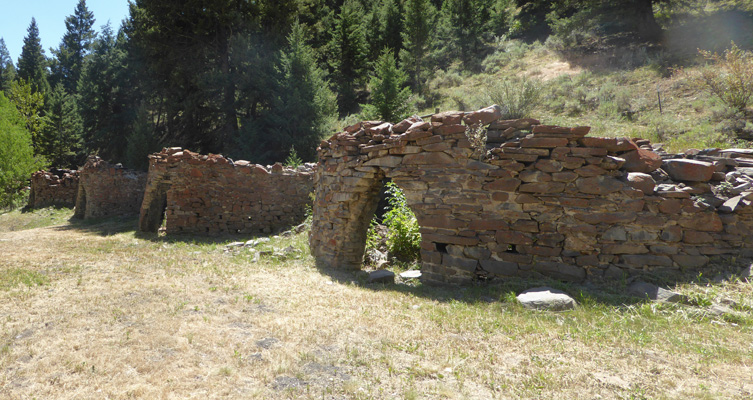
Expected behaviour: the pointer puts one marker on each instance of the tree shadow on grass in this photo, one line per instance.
(109, 226)
(106, 226)
(606, 293)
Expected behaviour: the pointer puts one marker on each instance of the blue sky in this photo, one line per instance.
(50, 15)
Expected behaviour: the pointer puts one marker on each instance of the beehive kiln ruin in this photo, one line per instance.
(106, 190)
(56, 187)
(532, 200)
(212, 195)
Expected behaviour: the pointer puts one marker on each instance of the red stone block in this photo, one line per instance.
(689, 170)
(489, 225)
(505, 185)
(512, 237)
(641, 161)
(545, 142)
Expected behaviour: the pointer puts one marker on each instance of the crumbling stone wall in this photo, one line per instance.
(56, 187)
(107, 190)
(211, 195)
(536, 200)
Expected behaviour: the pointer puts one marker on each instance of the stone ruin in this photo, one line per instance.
(56, 187)
(212, 195)
(532, 200)
(106, 190)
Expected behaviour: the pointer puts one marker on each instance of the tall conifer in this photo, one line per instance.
(76, 44)
(7, 69)
(418, 21)
(348, 54)
(32, 64)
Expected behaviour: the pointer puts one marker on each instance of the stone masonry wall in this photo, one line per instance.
(211, 195)
(107, 190)
(56, 187)
(536, 200)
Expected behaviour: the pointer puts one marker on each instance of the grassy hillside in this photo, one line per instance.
(616, 84)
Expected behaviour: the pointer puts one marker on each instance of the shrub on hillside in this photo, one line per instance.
(519, 96)
(729, 77)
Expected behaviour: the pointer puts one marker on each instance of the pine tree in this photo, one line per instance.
(464, 21)
(61, 142)
(348, 54)
(17, 159)
(389, 96)
(108, 96)
(392, 25)
(141, 141)
(30, 105)
(418, 21)
(76, 44)
(7, 70)
(32, 64)
(303, 109)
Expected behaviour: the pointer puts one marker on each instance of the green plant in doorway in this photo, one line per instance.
(404, 239)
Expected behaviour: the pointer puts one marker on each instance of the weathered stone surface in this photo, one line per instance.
(544, 187)
(501, 268)
(411, 274)
(643, 182)
(647, 260)
(687, 261)
(381, 276)
(208, 195)
(483, 116)
(650, 291)
(546, 298)
(600, 185)
(561, 270)
(641, 161)
(56, 187)
(429, 158)
(543, 142)
(611, 144)
(549, 166)
(106, 190)
(616, 233)
(705, 221)
(391, 161)
(689, 170)
(543, 201)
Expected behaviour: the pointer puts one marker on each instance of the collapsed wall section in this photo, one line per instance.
(212, 195)
(56, 187)
(106, 190)
(525, 199)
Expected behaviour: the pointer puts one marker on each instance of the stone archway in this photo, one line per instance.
(540, 200)
(80, 209)
(347, 194)
(342, 217)
(153, 207)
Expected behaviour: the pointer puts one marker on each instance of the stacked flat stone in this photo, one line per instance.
(547, 200)
(106, 190)
(57, 187)
(212, 195)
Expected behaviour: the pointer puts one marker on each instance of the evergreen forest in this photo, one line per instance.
(257, 80)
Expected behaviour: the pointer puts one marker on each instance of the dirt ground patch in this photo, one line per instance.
(99, 312)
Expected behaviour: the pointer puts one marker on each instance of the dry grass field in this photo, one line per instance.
(96, 311)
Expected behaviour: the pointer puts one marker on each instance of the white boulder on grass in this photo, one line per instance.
(546, 298)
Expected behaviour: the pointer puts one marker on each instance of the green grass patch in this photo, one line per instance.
(18, 220)
(14, 277)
